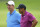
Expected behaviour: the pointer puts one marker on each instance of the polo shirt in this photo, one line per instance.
(26, 19)
(13, 20)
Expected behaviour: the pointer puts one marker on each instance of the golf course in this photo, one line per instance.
(32, 6)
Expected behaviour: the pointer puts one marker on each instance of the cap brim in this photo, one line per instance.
(17, 8)
(6, 3)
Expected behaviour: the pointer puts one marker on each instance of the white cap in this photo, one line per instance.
(11, 3)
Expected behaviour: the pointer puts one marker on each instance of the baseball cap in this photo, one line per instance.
(21, 6)
(10, 3)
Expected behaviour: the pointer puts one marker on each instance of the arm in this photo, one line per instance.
(34, 23)
(33, 20)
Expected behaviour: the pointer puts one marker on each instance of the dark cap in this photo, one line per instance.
(21, 6)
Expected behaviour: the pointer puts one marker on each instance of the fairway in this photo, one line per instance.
(33, 6)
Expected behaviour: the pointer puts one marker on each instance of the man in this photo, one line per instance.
(13, 17)
(27, 20)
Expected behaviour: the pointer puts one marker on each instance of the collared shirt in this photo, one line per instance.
(26, 19)
(13, 20)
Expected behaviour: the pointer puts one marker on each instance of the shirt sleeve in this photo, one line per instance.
(19, 17)
(31, 17)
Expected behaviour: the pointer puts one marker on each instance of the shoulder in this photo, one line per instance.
(29, 14)
(18, 14)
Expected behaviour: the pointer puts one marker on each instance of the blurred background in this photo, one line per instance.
(33, 6)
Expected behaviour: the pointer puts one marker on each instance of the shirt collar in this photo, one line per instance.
(13, 12)
(25, 13)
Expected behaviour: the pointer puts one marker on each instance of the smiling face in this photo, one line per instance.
(10, 7)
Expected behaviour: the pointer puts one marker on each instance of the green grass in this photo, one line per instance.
(33, 6)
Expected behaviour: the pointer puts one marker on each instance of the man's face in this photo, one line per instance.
(21, 10)
(10, 7)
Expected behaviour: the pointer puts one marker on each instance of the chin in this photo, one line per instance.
(8, 10)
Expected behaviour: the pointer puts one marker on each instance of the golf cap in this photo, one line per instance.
(10, 3)
(21, 6)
